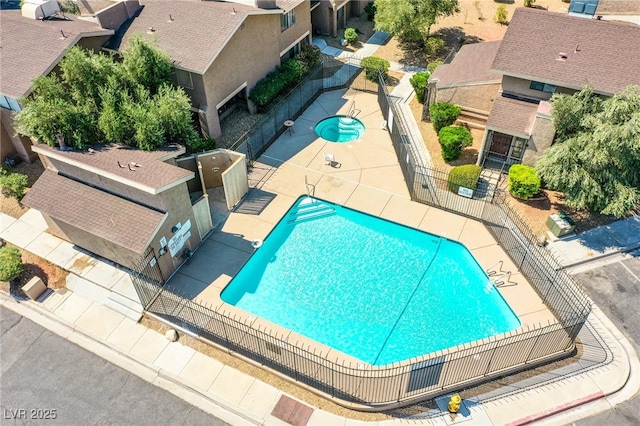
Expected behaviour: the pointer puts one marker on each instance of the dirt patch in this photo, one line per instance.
(363, 27)
(11, 206)
(34, 266)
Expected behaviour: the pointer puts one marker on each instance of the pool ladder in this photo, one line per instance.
(310, 211)
(497, 276)
(352, 110)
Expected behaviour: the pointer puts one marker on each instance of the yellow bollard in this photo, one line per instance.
(454, 403)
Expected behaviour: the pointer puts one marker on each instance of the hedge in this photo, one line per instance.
(452, 139)
(373, 65)
(10, 263)
(443, 114)
(284, 77)
(433, 46)
(524, 181)
(419, 82)
(467, 176)
(433, 65)
(13, 184)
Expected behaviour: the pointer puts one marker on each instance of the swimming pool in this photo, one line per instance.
(340, 128)
(373, 289)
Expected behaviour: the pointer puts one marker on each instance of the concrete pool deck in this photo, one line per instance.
(367, 178)
(239, 398)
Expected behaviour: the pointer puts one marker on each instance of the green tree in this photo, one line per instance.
(597, 165)
(96, 99)
(146, 65)
(569, 112)
(411, 19)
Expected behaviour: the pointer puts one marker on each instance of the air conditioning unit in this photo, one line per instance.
(40, 9)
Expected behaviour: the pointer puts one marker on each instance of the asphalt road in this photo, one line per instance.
(48, 380)
(615, 288)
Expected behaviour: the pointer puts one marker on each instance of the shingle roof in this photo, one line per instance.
(472, 64)
(196, 33)
(115, 162)
(31, 48)
(287, 5)
(512, 116)
(603, 53)
(109, 217)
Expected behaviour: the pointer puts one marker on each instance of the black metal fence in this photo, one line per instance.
(329, 75)
(488, 204)
(370, 387)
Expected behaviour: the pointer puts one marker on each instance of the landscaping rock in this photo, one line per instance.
(171, 335)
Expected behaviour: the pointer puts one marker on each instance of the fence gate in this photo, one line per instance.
(147, 278)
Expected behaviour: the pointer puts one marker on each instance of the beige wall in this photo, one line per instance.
(92, 243)
(302, 25)
(321, 19)
(243, 59)
(213, 165)
(521, 87)
(541, 139)
(10, 142)
(115, 15)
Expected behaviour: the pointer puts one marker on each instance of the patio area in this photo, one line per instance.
(365, 176)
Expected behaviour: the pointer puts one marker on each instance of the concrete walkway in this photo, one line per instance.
(91, 314)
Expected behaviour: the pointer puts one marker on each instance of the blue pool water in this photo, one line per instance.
(373, 289)
(340, 128)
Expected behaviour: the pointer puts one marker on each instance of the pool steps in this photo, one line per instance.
(310, 211)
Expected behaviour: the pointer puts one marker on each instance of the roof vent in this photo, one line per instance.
(40, 9)
(561, 56)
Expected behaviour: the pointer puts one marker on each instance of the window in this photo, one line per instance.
(543, 87)
(287, 19)
(183, 78)
(9, 103)
(518, 148)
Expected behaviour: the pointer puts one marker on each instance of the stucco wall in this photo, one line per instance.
(10, 142)
(302, 25)
(92, 243)
(213, 165)
(251, 53)
(321, 19)
(178, 205)
(521, 87)
(541, 139)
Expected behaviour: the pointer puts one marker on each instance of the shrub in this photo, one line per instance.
(276, 82)
(501, 15)
(10, 263)
(466, 176)
(13, 185)
(433, 46)
(529, 3)
(419, 82)
(309, 56)
(433, 65)
(351, 35)
(373, 65)
(524, 181)
(370, 10)
(201, 145)
(443, 114)
(452, 140)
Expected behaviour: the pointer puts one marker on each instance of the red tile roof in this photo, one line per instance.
(603, 53)
(31, 48)
(472, 64)
(152, 174)
(512, 116)
(107, 216)
(196, 33)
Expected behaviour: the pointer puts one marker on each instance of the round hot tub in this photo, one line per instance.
(340, 128)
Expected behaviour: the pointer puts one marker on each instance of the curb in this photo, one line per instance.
(141, 369)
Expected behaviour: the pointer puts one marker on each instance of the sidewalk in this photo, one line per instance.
(596, 244)
(100, 313)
